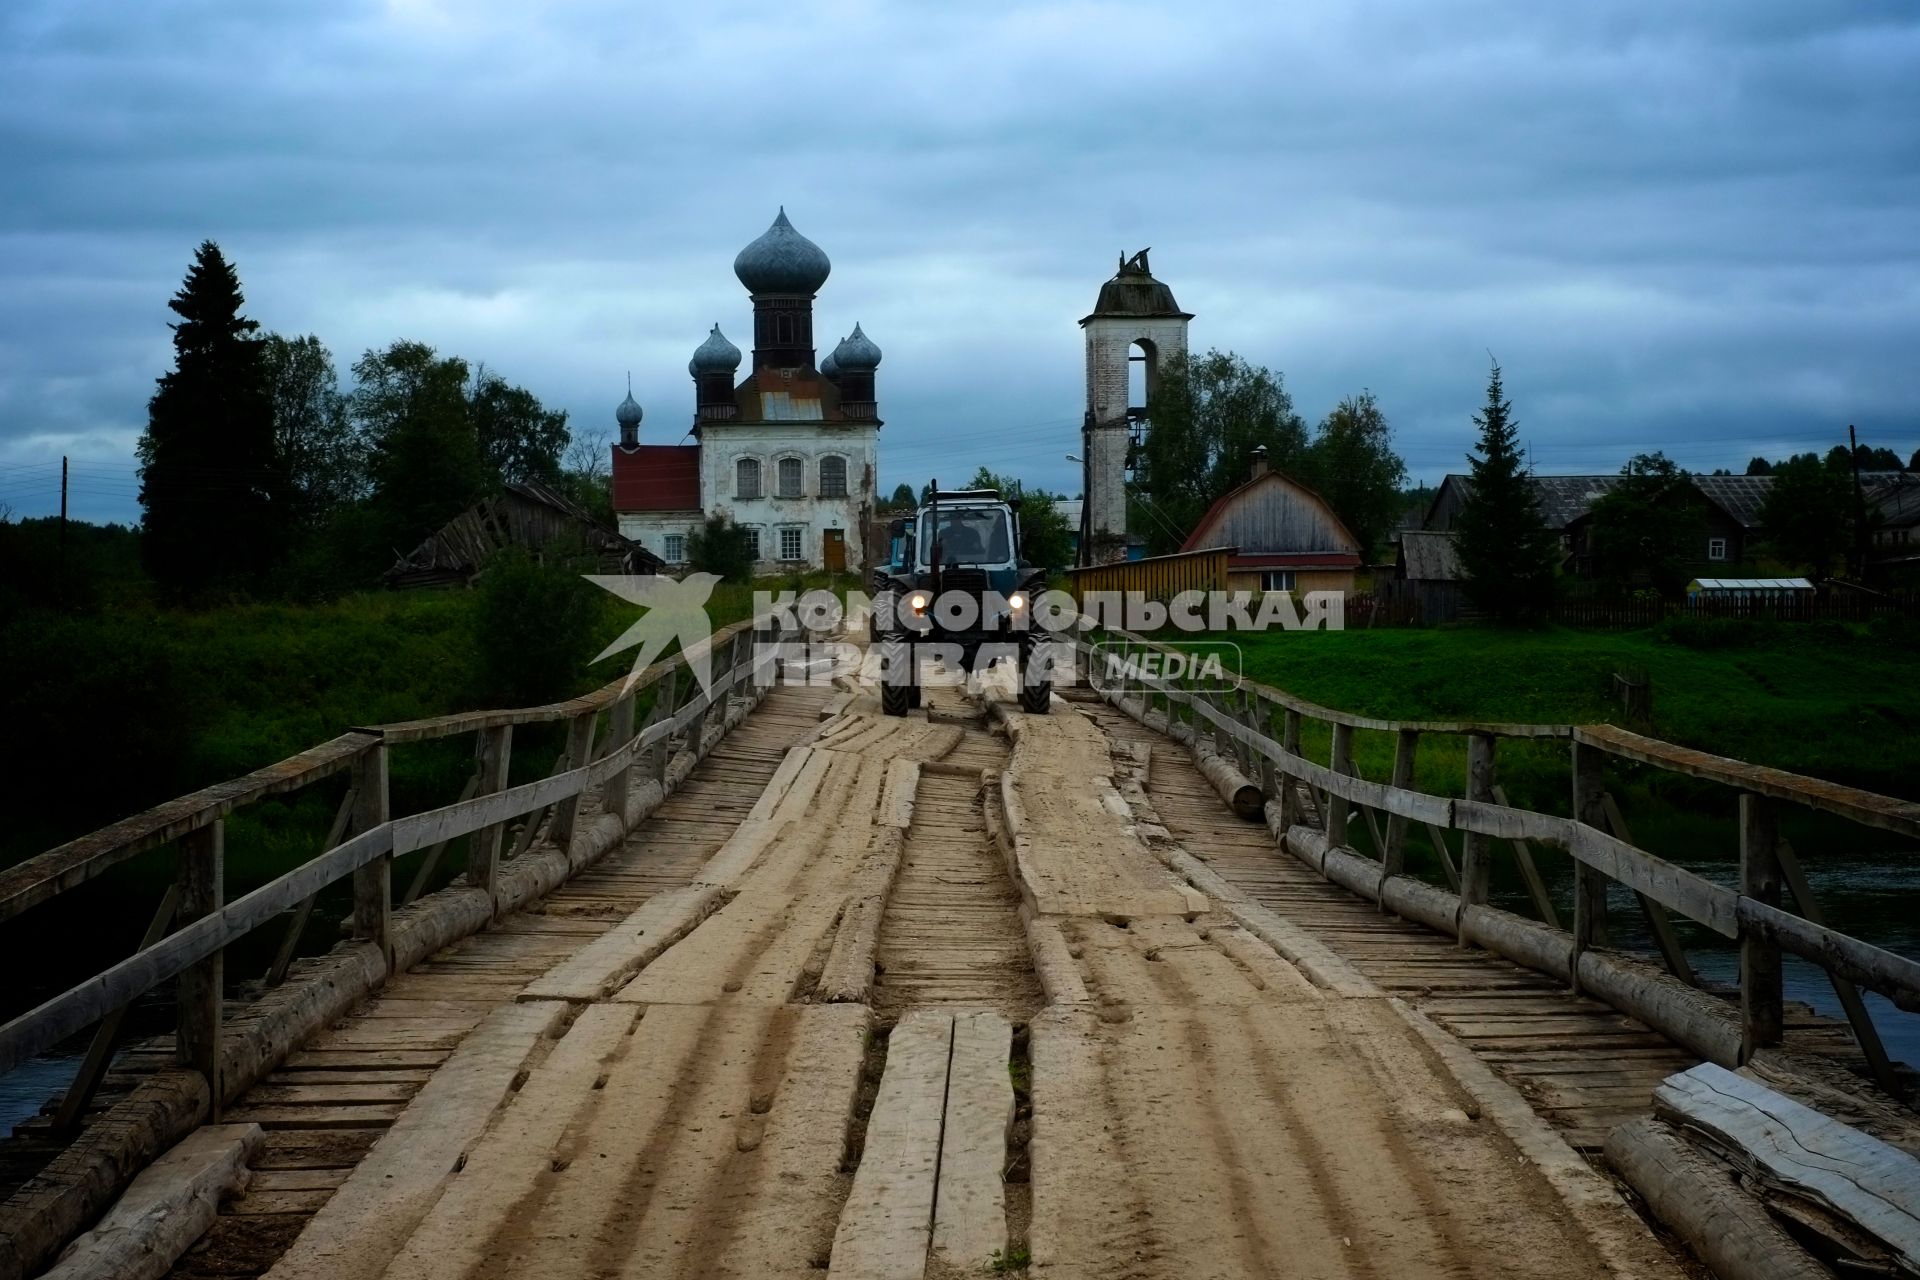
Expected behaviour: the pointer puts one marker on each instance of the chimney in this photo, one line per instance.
(1259, 463)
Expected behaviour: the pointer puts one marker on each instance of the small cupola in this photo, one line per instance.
(854, 361)
(628, 415)
(713, 366)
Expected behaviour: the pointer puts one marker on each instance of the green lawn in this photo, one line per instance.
(1835, 701)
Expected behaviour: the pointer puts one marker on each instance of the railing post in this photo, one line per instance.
(579, 754)
(1760, 991)
(1589, 883)
(660, 754)
(1475, 865)
(1393, 858)
(373, 883)
(201, 876)
(1259, 718)
(483, 858)
(619, 734)
(1289, 785)
(1337, 806)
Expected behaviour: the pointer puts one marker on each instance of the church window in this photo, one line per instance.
(676, 548)
(792, 473)
(753, 541)
(746, 478)
(833, 477)
(789, 544)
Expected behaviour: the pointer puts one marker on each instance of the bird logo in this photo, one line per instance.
(676, 610)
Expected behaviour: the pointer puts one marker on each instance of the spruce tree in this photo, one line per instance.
(211, 485)
(1505, 548)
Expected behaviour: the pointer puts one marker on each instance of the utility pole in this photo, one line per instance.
(1859, 510)
(62, 575)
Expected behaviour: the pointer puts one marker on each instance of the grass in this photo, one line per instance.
(1835, 701)
(1017, 1258)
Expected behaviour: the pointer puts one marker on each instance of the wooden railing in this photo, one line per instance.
(1259, 730)
(605, 747)
(1156, 577)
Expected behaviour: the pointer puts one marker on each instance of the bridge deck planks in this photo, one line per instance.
(1584, 1066)
(334, 1097)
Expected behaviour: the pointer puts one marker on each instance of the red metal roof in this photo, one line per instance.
(656, 477)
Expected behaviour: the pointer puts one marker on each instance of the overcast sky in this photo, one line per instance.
(1688, 226)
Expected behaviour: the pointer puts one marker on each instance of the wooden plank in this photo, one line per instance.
(1536, 887)
(363, 1226)
(1793, 1148)
(1884, 812)
(970, 1217)
(373, 881)
(77, 861)
(886, 1226)
(1475, 866)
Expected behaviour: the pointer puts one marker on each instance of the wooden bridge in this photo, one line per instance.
(754, 981)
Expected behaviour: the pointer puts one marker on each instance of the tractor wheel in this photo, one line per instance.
(897, 687)
(1036, 694)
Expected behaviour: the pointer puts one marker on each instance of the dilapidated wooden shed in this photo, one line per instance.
(527, 514)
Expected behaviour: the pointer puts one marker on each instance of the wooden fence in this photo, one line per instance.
(1619, 614)
(1257, 730)
(634, 759)
(1156, 577)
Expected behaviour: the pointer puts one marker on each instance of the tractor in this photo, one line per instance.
(955, 577)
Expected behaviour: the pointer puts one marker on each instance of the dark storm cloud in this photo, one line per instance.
(1679, 226)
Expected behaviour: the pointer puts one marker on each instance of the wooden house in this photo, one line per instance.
(1285, 536)
(526, 514)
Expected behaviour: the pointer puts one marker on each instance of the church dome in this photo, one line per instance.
(782, 261)
(830, 367)
(715, 355)
(856, 353)
(628, 414)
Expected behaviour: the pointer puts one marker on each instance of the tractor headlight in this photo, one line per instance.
(1017, 601)
(917, 602)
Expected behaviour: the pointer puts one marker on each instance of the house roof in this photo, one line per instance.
(1204, 527)
(656, 477)
(1565, 499)
(1739, 496)
(528, 514)
(1896, 497)
(1751, 584)
(1429, 557)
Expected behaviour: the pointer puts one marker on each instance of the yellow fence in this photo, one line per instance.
(1156, 577)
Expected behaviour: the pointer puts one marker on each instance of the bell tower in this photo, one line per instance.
(1135, 322)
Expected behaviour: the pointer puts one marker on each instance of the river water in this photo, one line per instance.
(1874, 897)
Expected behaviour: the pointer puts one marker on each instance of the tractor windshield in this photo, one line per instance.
(967, 535)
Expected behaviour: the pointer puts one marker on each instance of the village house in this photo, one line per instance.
(1729, 511)
(787, 453)
(1285, 536)
(530, 515)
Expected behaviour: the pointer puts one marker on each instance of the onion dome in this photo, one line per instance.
(830, 367)
(855, 354)
(715, 355)
(628, 414)
(782, 261)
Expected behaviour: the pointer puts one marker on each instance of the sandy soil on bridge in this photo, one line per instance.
(1198, 1107)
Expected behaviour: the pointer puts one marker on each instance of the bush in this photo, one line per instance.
(1715, 633)
(537, 629)
(722, 549)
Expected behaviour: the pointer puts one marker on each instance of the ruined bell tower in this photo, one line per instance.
(1134, 322)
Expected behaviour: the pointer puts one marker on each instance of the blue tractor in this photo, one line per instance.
(955, 577)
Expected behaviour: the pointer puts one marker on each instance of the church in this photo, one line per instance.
(787, 452)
